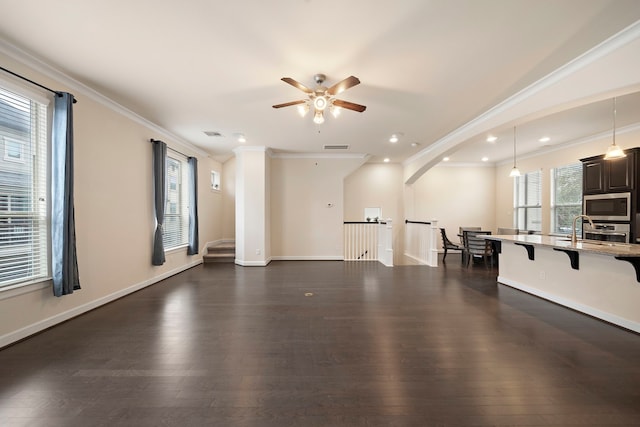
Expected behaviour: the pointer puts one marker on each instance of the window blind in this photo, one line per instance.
(176, 217)
(23, 189)
(527, 201)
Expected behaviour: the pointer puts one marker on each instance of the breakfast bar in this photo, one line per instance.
(601, 279)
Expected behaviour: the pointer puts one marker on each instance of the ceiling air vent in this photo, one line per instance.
(212, 133)
(336, 147)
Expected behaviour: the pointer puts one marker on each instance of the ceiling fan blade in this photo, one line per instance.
(343, 85)
(349, 105)
(296, 84)
(289, 104)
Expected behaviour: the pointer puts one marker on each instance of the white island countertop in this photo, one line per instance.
(564, 243)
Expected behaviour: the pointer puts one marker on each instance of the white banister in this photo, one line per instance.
(421, 242)
(385, 243)
(369, 241)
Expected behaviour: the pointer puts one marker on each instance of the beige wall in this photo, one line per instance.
(303, 225)
(455, 196)
(545, 162)
(377, 185)
(113, 211)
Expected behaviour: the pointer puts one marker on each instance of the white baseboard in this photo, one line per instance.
(34, 328)
(252, 263)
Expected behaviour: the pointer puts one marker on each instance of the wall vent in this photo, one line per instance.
(212, 133)
(336, 147)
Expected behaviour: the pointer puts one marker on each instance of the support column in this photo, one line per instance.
(253, 236)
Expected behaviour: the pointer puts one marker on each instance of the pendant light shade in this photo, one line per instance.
(514, 172)
(614, 151)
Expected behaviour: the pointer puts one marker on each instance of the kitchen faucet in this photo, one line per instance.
(574, 238)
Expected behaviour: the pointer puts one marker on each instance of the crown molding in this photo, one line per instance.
(627, 35)
(42, 67)
(320, 156)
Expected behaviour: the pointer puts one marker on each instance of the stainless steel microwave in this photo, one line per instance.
(608, 207)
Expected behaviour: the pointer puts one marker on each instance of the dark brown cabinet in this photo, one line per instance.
(609, 176)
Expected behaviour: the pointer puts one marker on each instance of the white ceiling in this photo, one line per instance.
(426, 67)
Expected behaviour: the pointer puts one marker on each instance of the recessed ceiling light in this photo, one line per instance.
(414, 144)
(545, 139)
(445, 159)
(395, 137)
(484, 159)
(387, 160)
(492, 138)
(238, 136)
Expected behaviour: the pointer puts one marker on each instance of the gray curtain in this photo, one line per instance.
(160, 196)
(64, 261)
(193, 206)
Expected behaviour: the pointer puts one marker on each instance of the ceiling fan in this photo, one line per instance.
(322, 98)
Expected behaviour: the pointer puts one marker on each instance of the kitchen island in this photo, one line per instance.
(601, 279)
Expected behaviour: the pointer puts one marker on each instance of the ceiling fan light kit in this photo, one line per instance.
(322, 98)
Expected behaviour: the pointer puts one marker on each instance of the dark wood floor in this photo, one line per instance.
(223, 345)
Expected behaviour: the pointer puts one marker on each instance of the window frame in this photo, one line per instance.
(526, 207)
(34, 154)
(553, 202)
(176, 203)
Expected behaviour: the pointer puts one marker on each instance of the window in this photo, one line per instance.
(215, 180)
(176, 218)
(13, 150)
(526, 201)
(566, 197)
(23, 189)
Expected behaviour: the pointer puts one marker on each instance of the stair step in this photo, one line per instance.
(218, 258)
(222, 248)
(222, 252)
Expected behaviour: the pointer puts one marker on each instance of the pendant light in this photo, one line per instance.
(514, 172)
(614, 151)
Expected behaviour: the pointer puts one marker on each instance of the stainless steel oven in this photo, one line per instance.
(608, 232)
(608, 207)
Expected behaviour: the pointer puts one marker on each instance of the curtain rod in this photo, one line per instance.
(169, 148)
(34, 83)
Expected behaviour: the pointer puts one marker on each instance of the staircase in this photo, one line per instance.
(221, 252)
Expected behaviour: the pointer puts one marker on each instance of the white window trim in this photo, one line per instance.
(44, 98)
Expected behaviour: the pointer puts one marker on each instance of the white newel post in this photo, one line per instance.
(385, 243)
(433, 244)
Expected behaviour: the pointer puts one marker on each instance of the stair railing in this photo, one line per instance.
(368, 241)
(420, 241)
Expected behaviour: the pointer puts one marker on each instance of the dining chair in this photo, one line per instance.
(477, 246)
(461, 231)
(448, 244)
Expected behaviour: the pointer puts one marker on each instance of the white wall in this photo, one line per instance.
(253, 244)
(303, 226)
(113, 211)
(229, 199)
